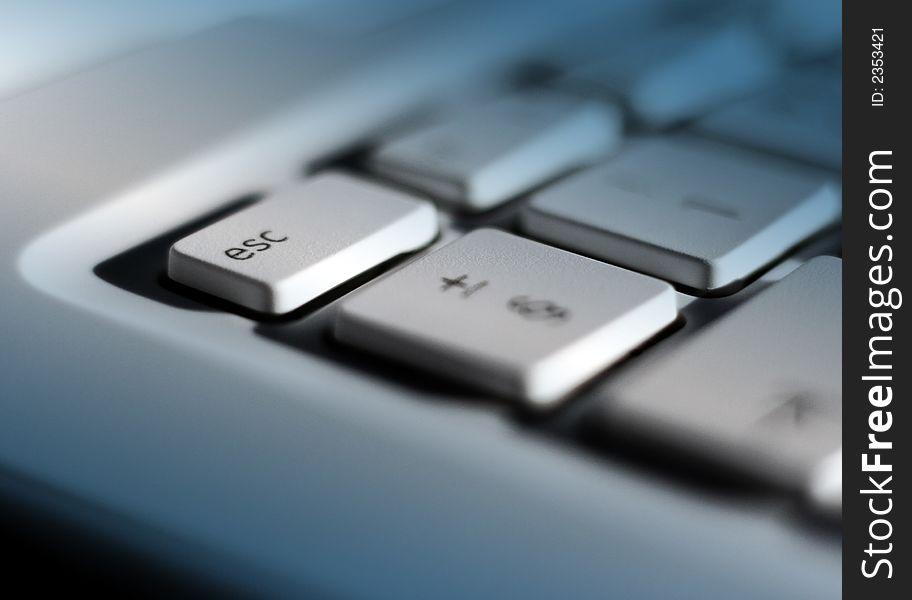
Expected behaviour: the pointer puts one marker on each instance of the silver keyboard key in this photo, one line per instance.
(508, 314)
(498, 151)
(288, 249)
(760, 389)
(700, 214)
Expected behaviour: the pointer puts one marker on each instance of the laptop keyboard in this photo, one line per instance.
(542, 247)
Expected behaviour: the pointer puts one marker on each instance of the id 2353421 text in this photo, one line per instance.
(877, 66)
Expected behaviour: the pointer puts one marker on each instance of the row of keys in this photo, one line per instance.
(522, 318)
(519, 318)
(714, 217)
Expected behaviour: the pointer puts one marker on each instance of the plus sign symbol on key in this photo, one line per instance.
(460, 282)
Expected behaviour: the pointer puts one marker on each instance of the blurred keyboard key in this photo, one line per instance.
(288, 249)
(513, 316)
(493, 153)
(682, 74)
(697, 213)
(616, 69)
(760, 389)
(800, 117)
(806, 29)
(731, 63)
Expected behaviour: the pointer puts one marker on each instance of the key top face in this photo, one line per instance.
(288, 249)
(761, 388)
(495, 152)
(693, 212)
(511, 315)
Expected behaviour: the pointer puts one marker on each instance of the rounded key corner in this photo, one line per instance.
(176, 249)
(826, 258)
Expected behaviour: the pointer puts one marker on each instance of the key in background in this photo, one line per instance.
(759, 390)
(486, 156)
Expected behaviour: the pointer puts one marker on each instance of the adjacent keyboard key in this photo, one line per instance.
(498, 151)
(700, 214)
(760, 389)
(730, 63)
(288, 249)
(681, 74)
(508, 314)
(800, 117)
